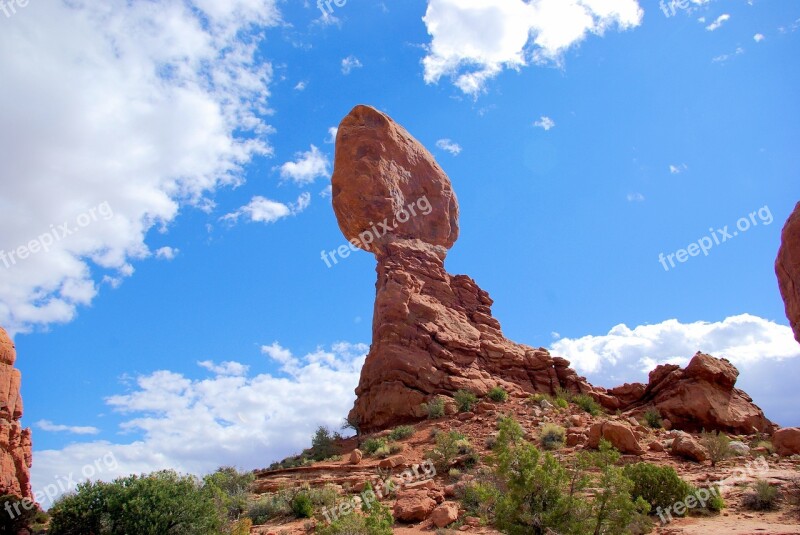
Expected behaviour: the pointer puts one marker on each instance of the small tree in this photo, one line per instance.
(718, 446)
(498, 394)
(434, 408)
(465, 400)
(322, 445)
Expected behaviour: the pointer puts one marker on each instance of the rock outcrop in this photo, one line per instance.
(700, 396)
(787, 267)
(433, 333)
(15, 442)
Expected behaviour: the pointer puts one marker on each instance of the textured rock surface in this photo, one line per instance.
(434, 334)
(787, 267)
(787, 441)
(688, 447)
(413, 505)
(701, 396)
(618, 434)
(15, 442)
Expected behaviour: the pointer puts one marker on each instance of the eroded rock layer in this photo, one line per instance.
(15, 442)
(787, 267)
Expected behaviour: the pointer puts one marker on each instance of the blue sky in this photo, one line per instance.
(190, 321)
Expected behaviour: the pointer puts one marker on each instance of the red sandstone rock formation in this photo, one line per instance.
(701, 396)
(433, 333)
(15, 442)
(787, 267)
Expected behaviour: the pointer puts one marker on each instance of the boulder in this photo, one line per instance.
(445, 514)
(787, 268)
(688, 447)
(620, 435)
(356, 456)
(786, 441)
(413, 506)
(739, 448)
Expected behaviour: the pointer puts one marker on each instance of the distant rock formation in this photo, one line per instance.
(433, 333)
(700, 396)
(787, 267)
(15, 442)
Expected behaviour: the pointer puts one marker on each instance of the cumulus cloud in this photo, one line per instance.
(758, 37)
(545, 123)
(239, 419)
(224, 368)
(349, 64)
(47, 425)
(472, 41)
(635, 197)
(450, 146)
(678, 169)
(263, 210)
(145, 106)
(717, 24)
(167, 253)
(307, 167)
(332, 131)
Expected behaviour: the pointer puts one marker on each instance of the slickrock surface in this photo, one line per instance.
(787, 267)
(15, 442)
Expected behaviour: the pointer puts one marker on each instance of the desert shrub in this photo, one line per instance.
(401, 433)
(716, 503)
(553, 437)
(449, 445)
(762, 497)
(17, 514)
(479, 498)
(323, 444)
(498, 394)
(268, 507)
(326, 496)
(162, 502)
(718, 446)
(371, 445)
(230, 489)
(465, 400)
(653, 418)
(587, 403)
(767, 445)
(561, 403)
(302, 506)
(434, 408)
(383, 452)
(660, 486)
(241, 527)
(377, 520)
(536, 399)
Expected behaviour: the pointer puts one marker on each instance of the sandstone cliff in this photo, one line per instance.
(15, 442)
(787, 267)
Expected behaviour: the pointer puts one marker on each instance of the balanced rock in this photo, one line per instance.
(701, 396)
(432, 333)
(787, 267)
(15, 442)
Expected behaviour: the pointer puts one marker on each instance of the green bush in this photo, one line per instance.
(716, 503)
(561, 403)
(553, 437)
(162, 502)
(653, 418)
(465, 400)
(230, 489)
(587, 403)
(401, 433)
(302, 506)
(434, 408)
(377, 521)
(718, 446)
(270, 506)
(660, 486)
(763, 497)
(323, 444)
(498, 394)
(371, 445)
(449, 445)
(241, 527)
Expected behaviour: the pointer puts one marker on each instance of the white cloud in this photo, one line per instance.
(263, 210)
(472, 41)
(545, 123)
(678, 169)
(47, 425)
(332, 131)
(758, 37)
(246, 421)
(635, 197)
(301, 86)
(450, 146)
(225, 368)
(349, 64)
(725, 57)
(327, 191)
(717, 24)
(146, 106)
(167, 253)
(307, 167)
